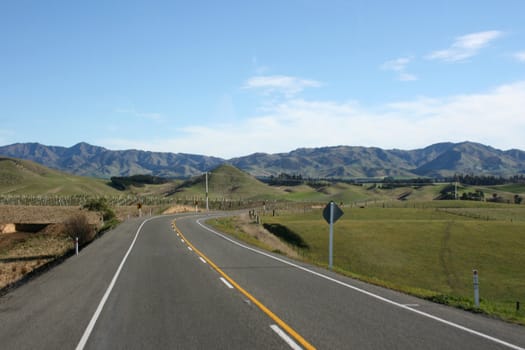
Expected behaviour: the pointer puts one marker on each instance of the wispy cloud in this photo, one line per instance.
(399, 66)
(143, 115)
(283, 84)
(259, 69)
(520, 56)
(493, 117)
(465, 46)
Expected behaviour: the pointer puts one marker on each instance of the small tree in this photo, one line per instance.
(517, 199)
(79, 226)
(102, 206)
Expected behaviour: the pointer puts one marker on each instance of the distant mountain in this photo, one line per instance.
(87, 160)
(438, 160)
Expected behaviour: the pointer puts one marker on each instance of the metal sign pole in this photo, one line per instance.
(331, 244)
(331, 213)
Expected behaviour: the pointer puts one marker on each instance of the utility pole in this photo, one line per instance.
(456, 188)
(207, 206)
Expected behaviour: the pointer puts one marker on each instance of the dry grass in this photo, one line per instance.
(244, 228)
(179, 209)
(22, 214)
(22, 252)
(28, 252)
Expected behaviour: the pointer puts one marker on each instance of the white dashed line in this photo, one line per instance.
(285, 337)
(226, 283)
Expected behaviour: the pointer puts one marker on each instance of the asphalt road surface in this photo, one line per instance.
(148, 285)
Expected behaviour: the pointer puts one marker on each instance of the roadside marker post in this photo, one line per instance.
(76, 245)
(331, 214)
(475, 278)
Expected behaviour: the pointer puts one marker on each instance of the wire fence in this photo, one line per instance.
(215, 203)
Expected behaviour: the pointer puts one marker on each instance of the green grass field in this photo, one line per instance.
(28, 178)
(429, 251)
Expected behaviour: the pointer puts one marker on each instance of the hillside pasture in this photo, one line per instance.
(429, 251)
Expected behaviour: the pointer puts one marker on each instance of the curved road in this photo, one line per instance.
(149, 285)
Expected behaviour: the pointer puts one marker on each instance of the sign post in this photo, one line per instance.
(331, 214)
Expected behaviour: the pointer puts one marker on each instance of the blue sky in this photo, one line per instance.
(230, 78)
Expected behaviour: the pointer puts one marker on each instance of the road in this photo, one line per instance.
(148, 285)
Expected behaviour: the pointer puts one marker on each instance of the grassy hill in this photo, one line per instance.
(28, 178)
(229, 182)
(21, 177)
(422, 248)
(427, 251)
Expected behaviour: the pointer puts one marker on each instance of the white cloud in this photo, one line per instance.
(403, 76)
(286, 85)
(399, 66)
(144, 115)
(520, 56)
(465, 46)
(259, 69)
(493, 117)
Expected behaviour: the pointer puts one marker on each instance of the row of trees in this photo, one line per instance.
(482, 180)
(122, 183)
(284, 179)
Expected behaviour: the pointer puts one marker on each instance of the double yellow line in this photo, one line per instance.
(305, 344)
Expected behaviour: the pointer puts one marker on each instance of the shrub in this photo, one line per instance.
(79, 226)
(102, 206)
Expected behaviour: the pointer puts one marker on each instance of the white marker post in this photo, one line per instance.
(476, 287)
(76, 245)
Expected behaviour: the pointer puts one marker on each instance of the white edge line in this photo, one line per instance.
(391, 302)
(189, 248)
(203, 261)
(94, 318)
(226, 283)
(285, 337)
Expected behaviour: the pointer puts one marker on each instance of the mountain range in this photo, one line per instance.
(342, 162)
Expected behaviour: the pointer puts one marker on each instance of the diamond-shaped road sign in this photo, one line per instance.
(336, 215)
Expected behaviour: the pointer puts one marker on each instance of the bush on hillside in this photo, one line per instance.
(100, 205)
(79, 226)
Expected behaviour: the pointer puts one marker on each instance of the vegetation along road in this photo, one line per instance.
(168, 284)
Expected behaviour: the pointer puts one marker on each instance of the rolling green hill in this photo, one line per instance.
(28, 178)
(229, 182)
(21, 177)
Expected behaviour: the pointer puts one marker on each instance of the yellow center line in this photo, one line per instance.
(305, 344)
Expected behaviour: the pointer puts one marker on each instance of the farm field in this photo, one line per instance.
(428, 250)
